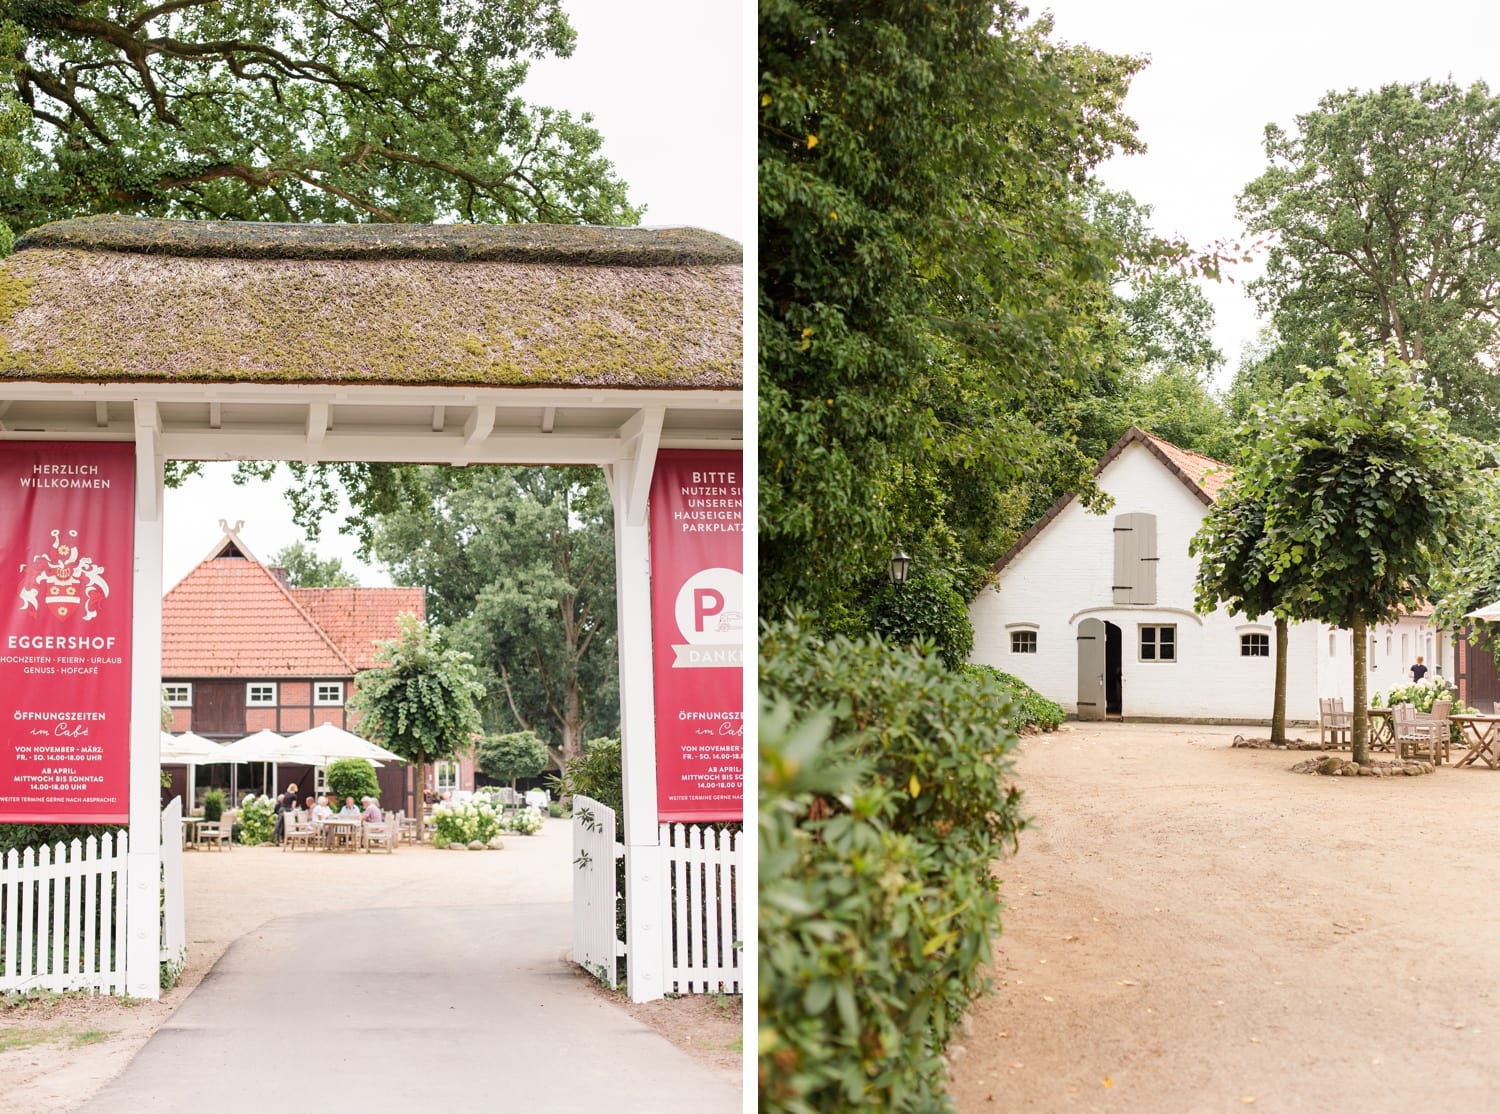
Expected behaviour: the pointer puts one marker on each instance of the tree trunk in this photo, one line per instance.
(1361, 747)
(421, 796)
(1278, 706)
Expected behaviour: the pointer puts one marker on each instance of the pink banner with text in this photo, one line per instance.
(67, 541)
(698, 631)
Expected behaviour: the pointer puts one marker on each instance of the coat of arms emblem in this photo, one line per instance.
(63, 579)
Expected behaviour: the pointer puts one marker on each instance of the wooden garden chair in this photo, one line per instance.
(298, 830)
(384, 834)
(1442, 733)
(1334, 723)
(1415, 738)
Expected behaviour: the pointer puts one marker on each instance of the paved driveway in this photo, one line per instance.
(460, 1008)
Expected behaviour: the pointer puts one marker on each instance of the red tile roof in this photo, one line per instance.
(357, 620)
(233, 617)
(230, 617)
(1201, 471)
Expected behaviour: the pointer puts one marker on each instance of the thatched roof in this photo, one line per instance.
(135, 300)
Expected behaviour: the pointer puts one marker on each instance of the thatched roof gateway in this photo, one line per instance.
(123, 300)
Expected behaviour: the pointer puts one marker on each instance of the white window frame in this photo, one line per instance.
(444, 769)
(320, 701)
(250, 698)
(320, 782)
(1023, 634)
(1245, 637)
(183, 701)
(1156, 643)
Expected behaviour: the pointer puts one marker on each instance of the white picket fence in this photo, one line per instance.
(703, 909)
(596, 943)
(702, 941)
(62, 911)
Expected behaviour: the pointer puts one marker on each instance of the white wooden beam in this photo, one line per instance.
(215, 415)
(143, 862)
(439, 418)
(317, 430)
(549, 418)
(642, 435)
(148, 456)
(101, 415)
(645, 891)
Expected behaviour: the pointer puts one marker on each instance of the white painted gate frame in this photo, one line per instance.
(628, 458)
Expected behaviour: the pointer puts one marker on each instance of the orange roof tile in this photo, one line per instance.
(230, 617)
(357, 620)
(1207, 473)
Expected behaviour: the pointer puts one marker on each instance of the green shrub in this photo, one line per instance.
(1032, 709)
(516, 754)
(925, 609)
(597, 774)
(465, 822)
(352, 777)
(884, 801)
(19, 836)
(257, 820)
(213, 804)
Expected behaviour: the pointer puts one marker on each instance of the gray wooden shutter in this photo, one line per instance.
(1135, 558)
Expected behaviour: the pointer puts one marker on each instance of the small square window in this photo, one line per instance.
(1255, 645)
(1159, 643)
(260, 695)
(1023, 641)
(177, 695)
(328, 692)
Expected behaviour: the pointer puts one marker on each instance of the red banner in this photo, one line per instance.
(67, 555)
(698, 634)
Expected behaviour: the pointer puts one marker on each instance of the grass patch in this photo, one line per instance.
(91, 1036)
(11, 1039)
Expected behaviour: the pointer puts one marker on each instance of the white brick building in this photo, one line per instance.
(1096, 611)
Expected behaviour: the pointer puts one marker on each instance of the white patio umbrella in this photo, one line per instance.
(326, 743)
(1490, 611)
(191, 751)
(263, 746)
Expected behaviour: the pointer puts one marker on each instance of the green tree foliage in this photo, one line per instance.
(1235, 570)
(927, 272)
(421, 698)
(1364, 489)
(300, 111)
(520, 564)
(305, 569)
(515, 754)
(1158, 335)
(352, 777)
(1385, 210)
(599, 775)
(924, 610)
(885, 800)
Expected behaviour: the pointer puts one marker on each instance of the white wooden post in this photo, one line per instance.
(645, 893)
(143, 863)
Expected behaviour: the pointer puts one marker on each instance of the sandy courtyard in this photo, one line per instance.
(1191, 927)
(55, 1054)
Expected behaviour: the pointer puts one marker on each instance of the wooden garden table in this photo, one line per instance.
(1480, 734)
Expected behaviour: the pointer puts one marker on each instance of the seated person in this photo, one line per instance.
(321, 812)
(372, 813)
(349, 809)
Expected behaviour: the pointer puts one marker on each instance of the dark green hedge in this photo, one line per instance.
(885, 800)
(1032, 709)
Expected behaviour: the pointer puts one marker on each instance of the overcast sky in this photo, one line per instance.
(662, 79)
(1220, 72)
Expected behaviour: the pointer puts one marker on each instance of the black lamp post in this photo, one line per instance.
(900, 567)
